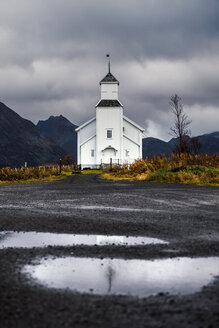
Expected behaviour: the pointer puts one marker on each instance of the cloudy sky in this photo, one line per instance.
(53, 55)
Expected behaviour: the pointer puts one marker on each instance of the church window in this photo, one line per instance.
(92, 153)
(126, 152)
(109, 134)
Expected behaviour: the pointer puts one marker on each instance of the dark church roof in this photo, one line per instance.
(109, 103)
(109, 78)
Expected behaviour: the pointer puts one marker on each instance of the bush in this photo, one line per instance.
(181, 168)
(8, 174)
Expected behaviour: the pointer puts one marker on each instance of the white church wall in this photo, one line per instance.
(131, 131)
(109, 91)
(88, 153)
(132, 151)
(109, 118)
(88, 131)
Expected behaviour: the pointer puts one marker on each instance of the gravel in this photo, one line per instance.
(184, 215)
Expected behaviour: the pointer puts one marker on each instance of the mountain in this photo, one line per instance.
(20, 142)
(209, 143)
(61, 131)
(152, 146)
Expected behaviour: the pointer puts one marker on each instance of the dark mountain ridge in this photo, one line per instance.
(209, 144)
(61, 131)
(20, 142)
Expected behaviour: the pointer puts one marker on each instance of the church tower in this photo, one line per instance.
(109, 122)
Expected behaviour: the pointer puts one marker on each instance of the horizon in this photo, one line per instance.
(144, 137)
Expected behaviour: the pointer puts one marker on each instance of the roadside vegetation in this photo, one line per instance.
(184, 165)
(47, 173)
(179, 168)
(93, 171)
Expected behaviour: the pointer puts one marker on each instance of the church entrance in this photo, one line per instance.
(108, 154)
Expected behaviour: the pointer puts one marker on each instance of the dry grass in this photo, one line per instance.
(187, 169)
(33, 174)
(93, 171)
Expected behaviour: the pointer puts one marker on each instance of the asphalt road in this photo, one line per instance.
(184, 215)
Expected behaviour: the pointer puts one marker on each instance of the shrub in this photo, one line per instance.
(8, 174)
(181, 168)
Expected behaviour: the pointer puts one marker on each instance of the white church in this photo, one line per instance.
(109, 137)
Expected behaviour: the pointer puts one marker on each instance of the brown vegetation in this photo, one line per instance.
(180, 168)
(23, 174)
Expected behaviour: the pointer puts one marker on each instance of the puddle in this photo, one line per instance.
(126, 277)
(44, 239)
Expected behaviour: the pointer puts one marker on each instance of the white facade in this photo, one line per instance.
(110, 137)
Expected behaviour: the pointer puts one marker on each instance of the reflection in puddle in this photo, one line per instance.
(117, 276)
(43, 239)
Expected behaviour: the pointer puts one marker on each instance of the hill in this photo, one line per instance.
(61, 131)
(20, 142)
(153, 146)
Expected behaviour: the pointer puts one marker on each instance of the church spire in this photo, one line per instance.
(109, 78)
(108, 56)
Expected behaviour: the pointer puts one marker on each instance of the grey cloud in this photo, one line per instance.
(141, 28)
(52, 56)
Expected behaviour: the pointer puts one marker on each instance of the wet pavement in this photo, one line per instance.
(184, 216)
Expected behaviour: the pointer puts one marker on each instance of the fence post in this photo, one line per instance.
(111, 162)
(60, 166)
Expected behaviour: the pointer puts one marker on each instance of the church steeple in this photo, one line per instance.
(109, 87)
(109, 78)
(108, 56)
